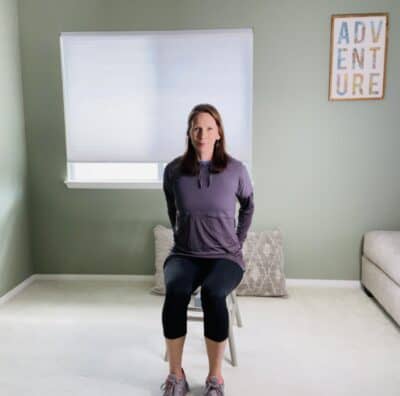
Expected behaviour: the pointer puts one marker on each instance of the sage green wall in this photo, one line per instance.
(15, 263)
(325, 172)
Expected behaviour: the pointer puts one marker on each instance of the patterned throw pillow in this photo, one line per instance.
(263, 256)
(163, 242)
(262, 253)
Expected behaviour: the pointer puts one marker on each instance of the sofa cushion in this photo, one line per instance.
(383, 249)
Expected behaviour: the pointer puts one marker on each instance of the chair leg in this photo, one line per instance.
(238, 317)
(232, 346)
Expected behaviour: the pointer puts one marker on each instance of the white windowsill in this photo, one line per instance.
(128, 185)
(124, 185)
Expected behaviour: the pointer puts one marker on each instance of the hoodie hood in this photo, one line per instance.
(204, 176)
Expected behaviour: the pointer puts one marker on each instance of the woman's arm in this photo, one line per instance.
(245, 195)
(169, 196)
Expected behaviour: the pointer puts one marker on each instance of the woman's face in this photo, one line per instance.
(204, 133)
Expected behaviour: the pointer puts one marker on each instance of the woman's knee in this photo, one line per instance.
(177, 289)
(211, 294)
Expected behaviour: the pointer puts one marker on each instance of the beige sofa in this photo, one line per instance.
(380, 269)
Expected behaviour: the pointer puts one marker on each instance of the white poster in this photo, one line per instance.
(358, 56)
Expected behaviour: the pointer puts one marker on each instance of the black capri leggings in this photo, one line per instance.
(183, 275)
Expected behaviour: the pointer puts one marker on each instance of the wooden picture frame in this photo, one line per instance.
(358, 55)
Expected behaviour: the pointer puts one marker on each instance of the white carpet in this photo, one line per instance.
(95, 337)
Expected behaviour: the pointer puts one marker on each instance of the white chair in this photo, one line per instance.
(234, 314)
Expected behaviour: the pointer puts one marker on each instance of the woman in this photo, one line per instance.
(201, 188)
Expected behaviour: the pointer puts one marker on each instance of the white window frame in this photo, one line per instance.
(74, 182)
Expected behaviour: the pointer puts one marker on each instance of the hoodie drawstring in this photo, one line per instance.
(209, 177)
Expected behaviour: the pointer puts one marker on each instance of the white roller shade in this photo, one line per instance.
(127, 95)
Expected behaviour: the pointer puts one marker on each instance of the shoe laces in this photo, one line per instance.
(214, 388)
(169, 385)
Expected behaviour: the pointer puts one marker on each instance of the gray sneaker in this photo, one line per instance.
(174, 386)
(213, 387)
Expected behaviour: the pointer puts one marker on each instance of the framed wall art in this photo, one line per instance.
(358, 52)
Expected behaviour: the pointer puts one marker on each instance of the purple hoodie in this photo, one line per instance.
(201, 210)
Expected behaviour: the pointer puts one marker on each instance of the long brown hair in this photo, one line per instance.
(189, 163)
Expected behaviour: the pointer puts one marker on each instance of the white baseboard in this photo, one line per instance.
(13, 292)
(149, 278)
(323, 282)
(94, 277)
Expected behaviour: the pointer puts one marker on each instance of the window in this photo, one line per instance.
(127, 96)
